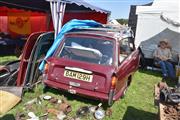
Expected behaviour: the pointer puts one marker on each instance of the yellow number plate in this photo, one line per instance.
(78, 76)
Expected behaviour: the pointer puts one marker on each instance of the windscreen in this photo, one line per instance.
(92, 50)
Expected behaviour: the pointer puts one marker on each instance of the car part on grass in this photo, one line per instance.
(53, 100)
(82, 111)
(92, 109)
(38, 52)
(98, 106)
(174, 97)
(47, 97)
(11, 81)
(170, 95)
(65, 107)
(8, 73)
(31, 101)
(59, 101)
(25, 57)
(61, 115)
(164, 94)
(37, 100)
(99, 114)
(109, 112)
(14, 96)
(32, 116)
(20, 116)
(53, 111)
(44, 116)
(13, 73)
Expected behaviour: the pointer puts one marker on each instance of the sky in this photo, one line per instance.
(118, 8)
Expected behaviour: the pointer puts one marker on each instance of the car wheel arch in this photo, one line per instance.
(129, 80)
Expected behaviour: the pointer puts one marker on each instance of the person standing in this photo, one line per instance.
(163, 57)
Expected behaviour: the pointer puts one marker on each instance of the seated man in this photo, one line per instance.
(163, 55)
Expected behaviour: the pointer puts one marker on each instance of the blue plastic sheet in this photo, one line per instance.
(73, 24)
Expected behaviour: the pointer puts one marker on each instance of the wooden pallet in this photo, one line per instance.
(161, 112)
(172, 114)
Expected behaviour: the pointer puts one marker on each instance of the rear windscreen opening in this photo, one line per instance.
(90, 50)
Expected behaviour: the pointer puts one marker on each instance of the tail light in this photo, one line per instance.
(46, 68)
(113, 82)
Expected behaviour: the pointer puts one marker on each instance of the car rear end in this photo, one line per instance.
(83, 64)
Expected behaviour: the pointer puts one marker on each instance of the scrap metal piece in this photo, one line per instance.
(53, 100)
(99, 114)
(32, 116)
(14, 96)
(37, 100)
(83, 111)
(47, 97)
(169, 95)
(92, 109)
(20, 116)
(164, 94)
(59, 101)
(174, 97)
(65, 107)
(8, 73)
(15, 90)
(61, 115)
(53, 111)
(109, 112)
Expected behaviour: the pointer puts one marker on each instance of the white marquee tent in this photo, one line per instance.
(159, 21)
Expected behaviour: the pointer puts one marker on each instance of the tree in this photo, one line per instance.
(122, 21)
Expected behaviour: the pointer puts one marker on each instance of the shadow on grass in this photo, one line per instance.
(169, 81)
(136, 114)
(71, 97)
(150, 72)
(8, 117)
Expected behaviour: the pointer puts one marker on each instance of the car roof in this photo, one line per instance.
(112, 33)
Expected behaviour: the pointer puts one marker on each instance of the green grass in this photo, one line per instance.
(138, 104)
(6, 59)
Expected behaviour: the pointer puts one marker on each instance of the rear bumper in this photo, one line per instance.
(79, 91)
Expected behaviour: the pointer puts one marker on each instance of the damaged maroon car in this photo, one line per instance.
(98, 63)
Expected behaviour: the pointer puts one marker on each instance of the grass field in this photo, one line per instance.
(6, 59)
(138, 104)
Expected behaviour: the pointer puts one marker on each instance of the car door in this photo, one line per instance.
(128, 63)
(25, 56)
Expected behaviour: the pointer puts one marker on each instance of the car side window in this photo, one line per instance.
(125, 49)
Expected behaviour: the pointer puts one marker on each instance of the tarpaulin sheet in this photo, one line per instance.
(73, 24)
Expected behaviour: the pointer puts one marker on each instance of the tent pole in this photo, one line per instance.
(57, 12)
(61, 15)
